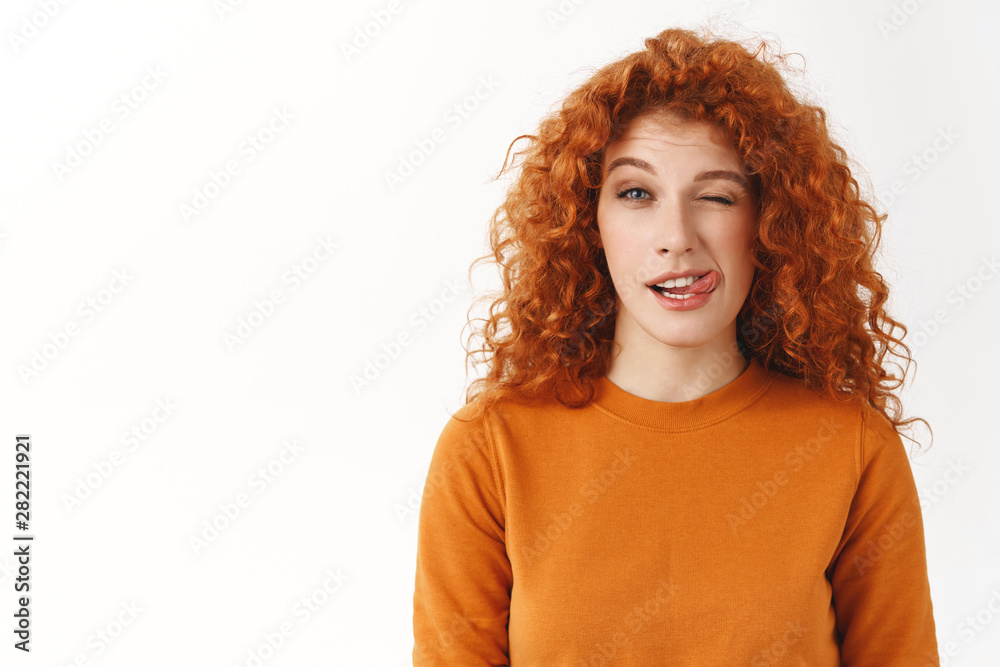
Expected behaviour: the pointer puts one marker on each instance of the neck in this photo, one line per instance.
(676, 374)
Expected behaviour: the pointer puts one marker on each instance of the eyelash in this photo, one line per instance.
(725, 201)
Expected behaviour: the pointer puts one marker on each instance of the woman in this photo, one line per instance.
(681, 453)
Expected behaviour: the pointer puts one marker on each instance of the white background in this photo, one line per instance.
(893, 76)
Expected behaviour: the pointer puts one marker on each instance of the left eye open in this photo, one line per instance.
(623, 194)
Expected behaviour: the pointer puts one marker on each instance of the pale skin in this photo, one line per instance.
(667, 220)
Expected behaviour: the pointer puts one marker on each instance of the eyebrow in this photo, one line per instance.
(714, 174)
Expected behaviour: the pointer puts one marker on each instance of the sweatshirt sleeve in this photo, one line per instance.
(881, 592)
(461, 599)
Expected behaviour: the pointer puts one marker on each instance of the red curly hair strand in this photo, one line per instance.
(816, 308)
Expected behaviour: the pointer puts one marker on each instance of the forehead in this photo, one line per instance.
(666, 132)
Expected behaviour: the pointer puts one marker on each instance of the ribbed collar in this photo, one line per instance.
(711, 408)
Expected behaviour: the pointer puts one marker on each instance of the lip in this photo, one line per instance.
(692, 303)
(670, 275)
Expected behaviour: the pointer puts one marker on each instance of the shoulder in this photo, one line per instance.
(794, 397)
(835, 423)
(500, 415)
(469, 439)
(882, 448)
(871, 435)
(465, 431)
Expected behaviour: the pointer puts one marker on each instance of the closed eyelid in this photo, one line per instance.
(625, 189)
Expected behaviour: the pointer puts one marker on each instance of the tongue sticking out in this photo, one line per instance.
(700, 286)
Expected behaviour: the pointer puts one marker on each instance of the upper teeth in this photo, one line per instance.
(679, 282)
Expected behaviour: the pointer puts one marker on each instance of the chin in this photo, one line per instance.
(687, 344)
(690, 339)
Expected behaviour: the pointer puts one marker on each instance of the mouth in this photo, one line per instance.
(702, 285)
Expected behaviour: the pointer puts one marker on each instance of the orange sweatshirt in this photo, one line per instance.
(761, 524)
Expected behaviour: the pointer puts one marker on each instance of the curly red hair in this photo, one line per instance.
(816, 308)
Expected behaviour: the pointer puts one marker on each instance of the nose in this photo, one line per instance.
(675, 232)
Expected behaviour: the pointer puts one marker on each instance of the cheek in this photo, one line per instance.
(621, 251)
(736, 261)
(617, 256)
(738, 249)
(743, 267)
